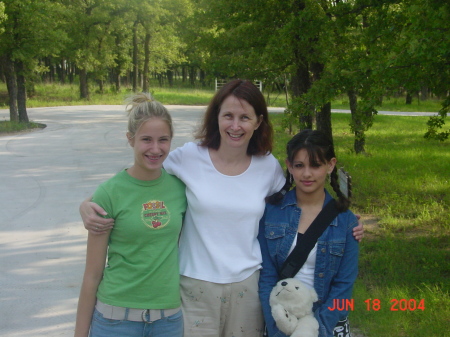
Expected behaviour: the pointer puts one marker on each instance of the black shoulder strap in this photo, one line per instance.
(298, 256)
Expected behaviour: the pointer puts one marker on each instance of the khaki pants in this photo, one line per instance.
(221, 310)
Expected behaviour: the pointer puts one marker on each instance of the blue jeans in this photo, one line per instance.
(171, 326)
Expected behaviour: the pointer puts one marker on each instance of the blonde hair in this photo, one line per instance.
(142, 107)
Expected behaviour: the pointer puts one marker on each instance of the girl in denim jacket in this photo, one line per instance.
(332, 265)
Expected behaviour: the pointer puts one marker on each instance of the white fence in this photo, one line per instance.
(219, 83)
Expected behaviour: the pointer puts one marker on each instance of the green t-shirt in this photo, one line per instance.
(142, 270)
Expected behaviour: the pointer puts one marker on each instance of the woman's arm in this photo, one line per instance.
(358, 231)
(95, 263)
(91, 214)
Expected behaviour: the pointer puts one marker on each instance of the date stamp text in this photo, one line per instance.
(376, 304)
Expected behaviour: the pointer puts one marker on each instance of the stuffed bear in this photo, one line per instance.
(291, 303)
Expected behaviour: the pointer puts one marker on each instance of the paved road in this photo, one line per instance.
(44, 175)
(393, 113)
(389, 113)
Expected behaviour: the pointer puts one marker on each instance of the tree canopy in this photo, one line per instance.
(314, 50)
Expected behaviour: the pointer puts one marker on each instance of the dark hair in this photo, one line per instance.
(208, 133)
(320, 150)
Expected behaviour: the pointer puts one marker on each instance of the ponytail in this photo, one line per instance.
(343, 203)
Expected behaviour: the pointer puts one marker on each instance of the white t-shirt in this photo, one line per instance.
(306, 272)
(219, 238)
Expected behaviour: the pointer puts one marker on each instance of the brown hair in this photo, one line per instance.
(208, 133)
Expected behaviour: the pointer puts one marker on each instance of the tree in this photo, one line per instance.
(30, 32)
(361, 48)
(247, 39)
(11, 84)
(162, 45)
(90, 25)
(362, 35)
(424, 54)
(152, 37)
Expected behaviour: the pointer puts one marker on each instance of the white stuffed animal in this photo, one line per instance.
(291, 302)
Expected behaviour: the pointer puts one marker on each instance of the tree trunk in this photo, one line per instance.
(408, 98)
(71, 73)
(45, 77)
(62, 72)
(11, 84)
(301, 81)
(51, 70)
(84, 89)
(192, 75)
(286, 89)
(424, 93)
(323, 120)
(202, 78)
(127, 78)
(101, 86)
(323, 115)
(299, 86)
(358, 130)
(145, 86)
(116, 72)
(184, 74)
(135, 58)
(21, 92)
(116, 76)
(2, 71)
(169, 73)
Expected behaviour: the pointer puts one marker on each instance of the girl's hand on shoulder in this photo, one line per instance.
(358, 231)
(92, 221)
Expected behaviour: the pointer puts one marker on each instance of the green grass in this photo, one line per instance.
(66, 95)
(408, 267)
(403, 182)
(11, 127)
(396, 104)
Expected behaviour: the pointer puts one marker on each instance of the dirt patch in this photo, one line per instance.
(356, 333)
(371, 226)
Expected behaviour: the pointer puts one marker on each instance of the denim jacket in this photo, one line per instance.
(336, 265)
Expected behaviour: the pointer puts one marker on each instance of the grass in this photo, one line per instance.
(397, 104)
(403, 183)
(11, 127)
(68, 94)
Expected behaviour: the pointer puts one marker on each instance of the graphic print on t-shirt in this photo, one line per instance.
(155, 214)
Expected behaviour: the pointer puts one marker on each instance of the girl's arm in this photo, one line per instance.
(95, 263)
(341, 286)
(267, 279)
(90, 214)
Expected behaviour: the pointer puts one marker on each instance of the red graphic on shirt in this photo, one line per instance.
(156, 224)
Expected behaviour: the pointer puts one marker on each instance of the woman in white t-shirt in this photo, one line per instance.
(228, 174)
